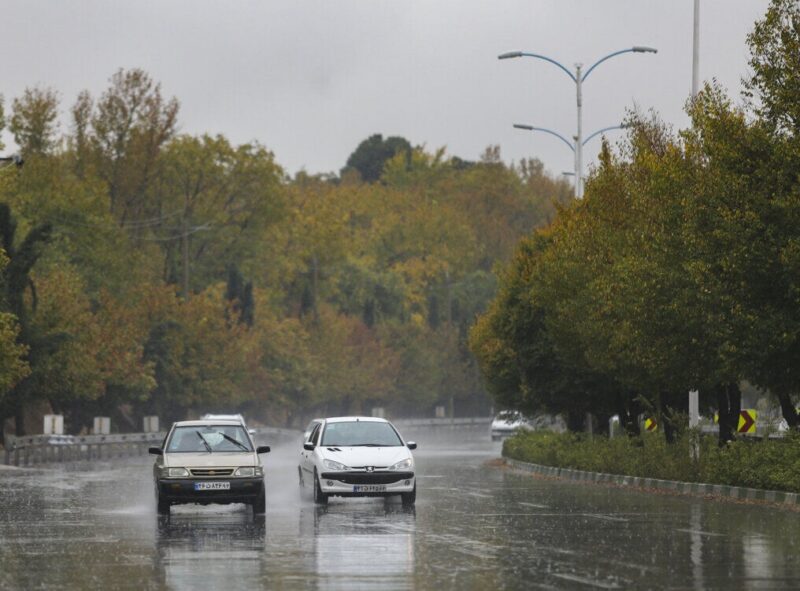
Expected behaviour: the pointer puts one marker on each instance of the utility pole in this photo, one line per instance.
(185, 249)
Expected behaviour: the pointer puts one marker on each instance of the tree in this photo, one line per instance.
(217, 200)
(34, 123)
(127, 129)
(16, 281)
(372, 154)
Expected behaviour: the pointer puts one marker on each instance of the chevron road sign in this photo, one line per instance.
(747, 421)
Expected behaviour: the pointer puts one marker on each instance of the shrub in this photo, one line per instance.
(772, 464)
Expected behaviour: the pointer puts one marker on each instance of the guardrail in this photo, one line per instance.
(460, 422)
(31, 450)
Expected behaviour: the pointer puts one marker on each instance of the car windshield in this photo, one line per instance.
(357, 433)
(509, 417)
(209, 438)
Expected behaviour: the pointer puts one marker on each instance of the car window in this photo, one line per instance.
(315, 434)
(310, 430)
(355, 433)
(204, 438)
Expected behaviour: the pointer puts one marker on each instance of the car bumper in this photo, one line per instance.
(181, 490)
(348, 484)
(500, 433)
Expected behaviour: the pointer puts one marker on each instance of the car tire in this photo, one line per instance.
(161, 506)
(320, 498)
(409, 498)
(260, 504)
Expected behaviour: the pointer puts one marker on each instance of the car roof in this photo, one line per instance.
(351, 419)
(225, 417)
(203, 422)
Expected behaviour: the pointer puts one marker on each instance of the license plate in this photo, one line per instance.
(370, 488)
(212, 486)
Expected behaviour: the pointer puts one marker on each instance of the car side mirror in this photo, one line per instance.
(309, 446)
(262, 449)
(411, 445)
(156, 451)
(251, 431)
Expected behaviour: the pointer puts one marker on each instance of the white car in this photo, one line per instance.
(506, 422)
(211, 461)
(309, 428)
(236, 417)
(358, 457)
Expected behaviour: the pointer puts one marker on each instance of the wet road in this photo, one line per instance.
(474, 527)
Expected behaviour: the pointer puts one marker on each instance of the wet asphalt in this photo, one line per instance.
(94, 526)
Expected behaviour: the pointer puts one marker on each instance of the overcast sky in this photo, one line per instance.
(311, 78)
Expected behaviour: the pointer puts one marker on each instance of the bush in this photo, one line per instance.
(772, 464)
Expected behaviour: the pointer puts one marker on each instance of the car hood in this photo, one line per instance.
(216, 459)
(366, 456)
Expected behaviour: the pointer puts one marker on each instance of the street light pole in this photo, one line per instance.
(575, 145)
(579, 135)
(696, 50)
(578, 78)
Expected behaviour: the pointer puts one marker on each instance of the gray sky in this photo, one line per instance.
(312, 78)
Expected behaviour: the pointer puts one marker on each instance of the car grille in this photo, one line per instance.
(211, 471)
(368, 477)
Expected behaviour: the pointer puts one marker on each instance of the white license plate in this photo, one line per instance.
(212, 486)
(370, 488)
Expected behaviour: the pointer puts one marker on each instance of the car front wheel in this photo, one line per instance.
(162, 506)
(260, 504)
(320, 498)
(409, 498)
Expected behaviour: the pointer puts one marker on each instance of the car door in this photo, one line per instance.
(308, 456)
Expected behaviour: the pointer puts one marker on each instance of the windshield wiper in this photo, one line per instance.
(369, 445)
(232, 440)
(203, 439)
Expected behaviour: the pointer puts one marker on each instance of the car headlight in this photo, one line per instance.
(177, 472)
(406, 464)
(249, 471)
(331, 465)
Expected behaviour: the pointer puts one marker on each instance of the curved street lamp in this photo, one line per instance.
(572, 145)
(578, 77)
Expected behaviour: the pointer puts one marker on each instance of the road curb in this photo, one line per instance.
(686, 488)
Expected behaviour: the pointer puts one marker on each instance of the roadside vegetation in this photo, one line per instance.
(771, 464)
(146, 271)
(678, 271)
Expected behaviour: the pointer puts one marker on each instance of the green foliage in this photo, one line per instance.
(153, 272)
(768, 464)
(372, 154)
(677, 271)
(34, 121)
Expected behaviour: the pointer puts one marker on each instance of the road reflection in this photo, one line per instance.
(210, 548)
(362, 544)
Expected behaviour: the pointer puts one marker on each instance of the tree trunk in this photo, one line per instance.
(19, 421)
(673, 402)
(789, 411)
(575, 421)
(729, 402)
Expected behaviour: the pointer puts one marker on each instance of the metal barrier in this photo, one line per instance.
(31, 450)
(454, 423)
